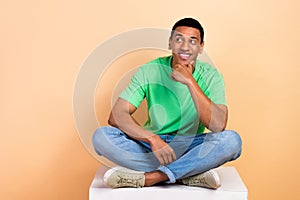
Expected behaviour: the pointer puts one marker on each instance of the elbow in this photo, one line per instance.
(218, 121)
(111, 121)
(217, 127)
(222, 127)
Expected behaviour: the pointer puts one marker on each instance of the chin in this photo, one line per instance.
(184, 62)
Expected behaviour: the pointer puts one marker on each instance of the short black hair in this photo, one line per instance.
(190, 22)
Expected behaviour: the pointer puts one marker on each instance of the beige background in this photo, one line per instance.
(43, 44)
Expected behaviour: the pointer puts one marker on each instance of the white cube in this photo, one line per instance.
(232, 188)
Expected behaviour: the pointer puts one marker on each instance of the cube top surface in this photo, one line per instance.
(232, 188)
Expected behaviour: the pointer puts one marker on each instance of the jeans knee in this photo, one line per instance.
(98, 137)
(234, 141)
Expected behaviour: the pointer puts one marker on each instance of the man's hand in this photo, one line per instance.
(182, 73)
(162, 151)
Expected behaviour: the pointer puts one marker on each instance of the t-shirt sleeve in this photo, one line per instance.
(134, 93)
(217, 89)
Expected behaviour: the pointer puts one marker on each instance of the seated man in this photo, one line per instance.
(184, 97)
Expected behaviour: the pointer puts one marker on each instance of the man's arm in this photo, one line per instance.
(213, 116)
(121, 117)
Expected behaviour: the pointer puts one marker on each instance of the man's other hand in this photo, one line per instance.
(162, 151)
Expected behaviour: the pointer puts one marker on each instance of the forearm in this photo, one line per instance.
(125, 122)
(112, 122)
(121, 117)
(211, 115)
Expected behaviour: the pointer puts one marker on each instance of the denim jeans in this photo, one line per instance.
(195, 154)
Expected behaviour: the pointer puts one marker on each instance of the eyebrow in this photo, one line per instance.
(193, 37)
(178, 34)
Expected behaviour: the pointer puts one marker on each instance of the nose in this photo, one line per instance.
(185, 46)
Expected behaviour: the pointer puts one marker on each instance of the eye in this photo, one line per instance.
(193, 42)
(178, 39)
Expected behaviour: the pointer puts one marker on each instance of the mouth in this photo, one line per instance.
(184, 56)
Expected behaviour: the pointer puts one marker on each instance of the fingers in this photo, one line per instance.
(178, 67)
(166, 155)
(190, 66)
(183, 69)
(171, 156)
(164, 160)
(162, 151)
(160, 159)
(176, 72)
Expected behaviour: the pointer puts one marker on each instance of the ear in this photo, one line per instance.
(201, 47)
(169, 45)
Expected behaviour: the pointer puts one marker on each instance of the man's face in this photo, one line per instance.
(185, 45)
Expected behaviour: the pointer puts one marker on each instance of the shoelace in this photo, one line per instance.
(132, 181)
(197, 181)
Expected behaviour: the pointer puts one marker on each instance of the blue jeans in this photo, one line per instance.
(195, 154)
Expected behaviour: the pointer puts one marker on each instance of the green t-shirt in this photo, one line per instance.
(171, 109)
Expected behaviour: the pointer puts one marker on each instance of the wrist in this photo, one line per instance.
(151, 140)
(190, 81)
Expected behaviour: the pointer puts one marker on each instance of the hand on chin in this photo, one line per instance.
(183, 62)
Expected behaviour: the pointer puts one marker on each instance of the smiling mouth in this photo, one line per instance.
(184, 56)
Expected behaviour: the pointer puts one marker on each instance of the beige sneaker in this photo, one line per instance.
(122, 177)
(209, 179)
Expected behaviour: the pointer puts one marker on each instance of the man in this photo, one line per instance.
(184, 97)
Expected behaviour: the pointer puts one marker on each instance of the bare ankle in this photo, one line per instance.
(151, 178)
